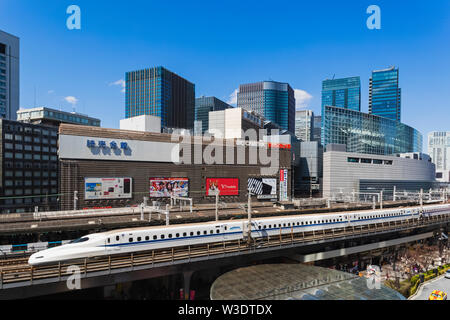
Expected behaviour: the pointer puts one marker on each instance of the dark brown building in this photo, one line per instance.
(115, 168)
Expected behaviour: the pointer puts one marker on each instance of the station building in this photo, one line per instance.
(115, 168)
(356, 172)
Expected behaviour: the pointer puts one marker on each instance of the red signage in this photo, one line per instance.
(227, 187)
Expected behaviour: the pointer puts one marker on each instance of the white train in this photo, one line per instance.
(160, 237)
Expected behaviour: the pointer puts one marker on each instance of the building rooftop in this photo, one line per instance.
(48, 115)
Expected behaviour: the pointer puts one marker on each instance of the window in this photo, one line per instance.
(191, 234)
(184, 234)
(388, 162)
(366, 160)
(147, 238)
(170, 236)
(205, 232)
(353, 160)
(139, 239)
(377, 161)
(155, 237)
(130, 240)
(117, 238)
(177, 235)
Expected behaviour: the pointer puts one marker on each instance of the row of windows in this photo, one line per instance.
(369, 161)
(36, 148)
(29, 183)
(21, 174)
(29, 156)
(29, 192)
(9, 136)
(29, 165)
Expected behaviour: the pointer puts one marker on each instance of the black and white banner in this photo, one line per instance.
(263, 188)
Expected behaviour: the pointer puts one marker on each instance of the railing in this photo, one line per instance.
(19, 271)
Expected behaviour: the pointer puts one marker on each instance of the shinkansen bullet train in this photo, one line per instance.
(160, 237)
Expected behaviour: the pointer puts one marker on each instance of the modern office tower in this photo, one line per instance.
(317, 130)
(30, 175)
(385, 94)
(304, 125)
(342, 93)
(9, 75)
(275, 101)
(52, 117)
(159, 92)
(203, 106)
(439, 150)
(366, 133)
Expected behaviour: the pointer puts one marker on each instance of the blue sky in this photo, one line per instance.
(220, 44)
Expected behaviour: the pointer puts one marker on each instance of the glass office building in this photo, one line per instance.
(342, 93)
(159, 92)
(203, 106)
(385, 94)
(275, 101)
(366, 133)
(304, 125)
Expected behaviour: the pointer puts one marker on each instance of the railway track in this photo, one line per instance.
(16, 270)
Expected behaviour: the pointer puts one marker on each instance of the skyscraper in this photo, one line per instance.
(9, 75)
(304, 125)
(385, 94)
(275, 101)
(342, 93)
(439, 150)
(204, 105)
(160, 92)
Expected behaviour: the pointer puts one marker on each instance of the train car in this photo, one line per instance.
(161, 237)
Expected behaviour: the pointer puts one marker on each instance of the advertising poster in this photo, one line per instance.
(264, 188)
(284, 185)
(107, 188)
(226, 186)
(167, 187)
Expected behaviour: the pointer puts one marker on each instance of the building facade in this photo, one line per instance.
(366, 133)
(317, 131)
(9, 75)
(53, 117)
(345, 172)
(162, 93)
(234, 124)
(308, 174)
(29, 160)
(385, 94)
(116, 168)
(439, 150)
(275, 101)
(342, 93)
(203, 106)
(304, 125)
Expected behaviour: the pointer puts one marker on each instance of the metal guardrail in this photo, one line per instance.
(26, 275)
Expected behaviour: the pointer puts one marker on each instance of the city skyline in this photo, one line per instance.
(85, 70)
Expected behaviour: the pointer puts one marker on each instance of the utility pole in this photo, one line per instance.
(75, 199)
(394, 198)
(381, 199)
(217, 204)
(421, 199)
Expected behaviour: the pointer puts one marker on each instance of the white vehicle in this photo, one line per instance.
(447, 274)
(161, 237)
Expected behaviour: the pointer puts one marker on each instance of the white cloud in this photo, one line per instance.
(233, 98)
(72, 100)
(302, 99)
(120, 82)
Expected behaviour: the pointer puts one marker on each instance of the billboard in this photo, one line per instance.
(264, 188)
(167, 187)
(107, 188)
(284, 185)
(226, 186)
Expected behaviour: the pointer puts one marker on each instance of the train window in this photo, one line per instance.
(130, 240)
(264, 227)
(139, 239)
(155, 237)
(170, 236)
(109, 240)
(270, 226)
(211, 231)
(178, 235)
(198, 233)
(184, 234)
(79, 240)
(117, 238)
(226, 228)
(259, 227)
(162, 236)
(191, 233)
(205, 232)
(147, 238)
(218, 231)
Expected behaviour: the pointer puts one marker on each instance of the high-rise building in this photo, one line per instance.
(9, 75)
(317, 130)
(367, 133)
(275, 101)
(203, 106)
(342, 93)
(304, 125)
(162, 93)
(439, 150)
(385, 94)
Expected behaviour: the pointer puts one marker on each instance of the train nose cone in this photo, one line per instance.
(35, 259)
